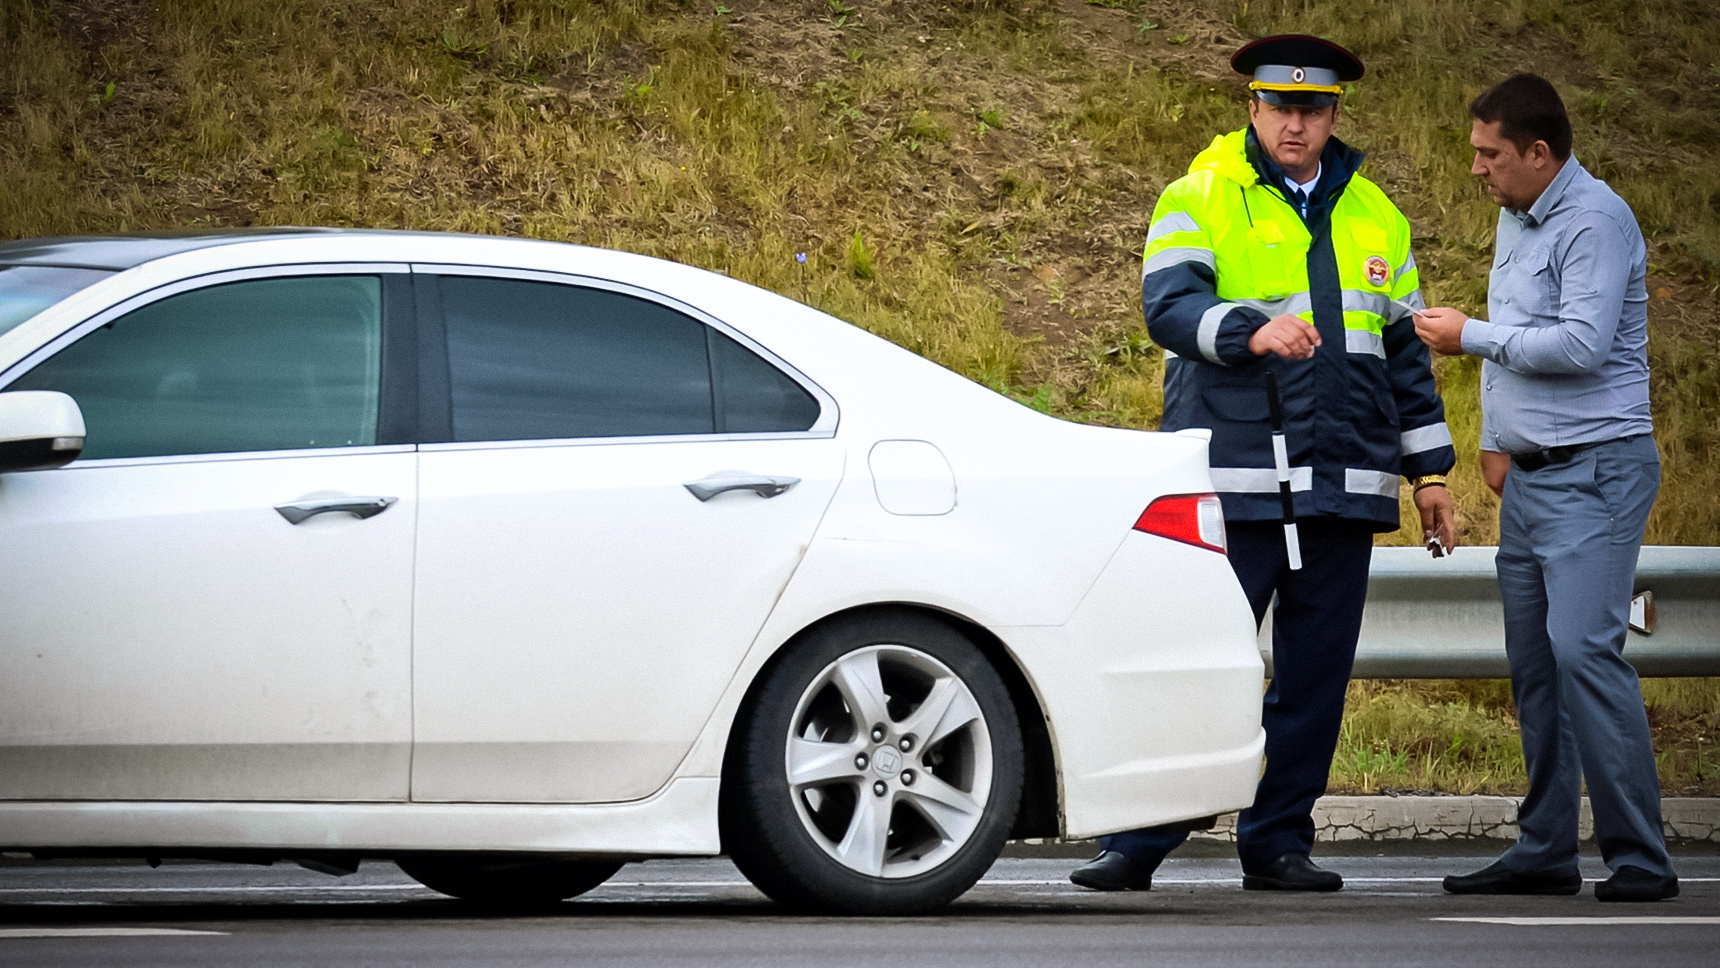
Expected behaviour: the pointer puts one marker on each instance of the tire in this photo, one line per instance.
(507, 880)
(865, 826)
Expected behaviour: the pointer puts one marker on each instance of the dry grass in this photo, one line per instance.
(969, 178)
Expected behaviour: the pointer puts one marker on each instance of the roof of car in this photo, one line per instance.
(126, 250)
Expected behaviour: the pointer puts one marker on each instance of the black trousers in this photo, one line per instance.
(1314, 631)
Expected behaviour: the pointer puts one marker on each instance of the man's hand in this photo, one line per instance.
(1438, 516)
(1291, 337)
(1441, 329)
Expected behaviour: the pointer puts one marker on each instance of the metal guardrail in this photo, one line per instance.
(1441, 619)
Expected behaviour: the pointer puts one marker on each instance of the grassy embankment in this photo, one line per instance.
(972, 179)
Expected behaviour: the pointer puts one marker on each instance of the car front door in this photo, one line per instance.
(214, 601)
(624, 491)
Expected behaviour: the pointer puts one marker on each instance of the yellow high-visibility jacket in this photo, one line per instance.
(1226, 252)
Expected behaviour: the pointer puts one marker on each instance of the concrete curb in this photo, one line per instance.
(1442, 819)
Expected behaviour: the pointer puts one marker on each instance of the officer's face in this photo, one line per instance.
(1515, 177)
(1293, 136)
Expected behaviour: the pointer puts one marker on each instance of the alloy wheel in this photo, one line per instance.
(889, 761)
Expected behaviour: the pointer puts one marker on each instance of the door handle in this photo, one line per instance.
(297, 512)
(763, 485)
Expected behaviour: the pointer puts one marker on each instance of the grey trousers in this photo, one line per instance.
(1569, 535)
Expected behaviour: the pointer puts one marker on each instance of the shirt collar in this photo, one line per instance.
(1337, 163)
(1554, 191)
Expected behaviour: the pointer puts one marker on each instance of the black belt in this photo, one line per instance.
(1534, 460)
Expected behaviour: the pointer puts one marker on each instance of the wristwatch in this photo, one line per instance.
(1427, 480)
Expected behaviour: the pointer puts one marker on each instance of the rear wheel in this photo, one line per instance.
(507, 880)
(876, 771)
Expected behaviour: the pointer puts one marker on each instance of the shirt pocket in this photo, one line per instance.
(1535, 285)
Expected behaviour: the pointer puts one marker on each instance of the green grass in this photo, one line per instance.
(971, 179)
(1458, 737)
(1461, 737)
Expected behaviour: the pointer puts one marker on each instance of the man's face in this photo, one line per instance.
(1293, 136)
(1514, 178)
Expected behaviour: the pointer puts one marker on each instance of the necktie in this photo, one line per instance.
(1300, 199)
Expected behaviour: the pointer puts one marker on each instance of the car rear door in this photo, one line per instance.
(189, 614)
(624, 489)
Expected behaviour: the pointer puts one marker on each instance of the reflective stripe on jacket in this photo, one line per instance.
(1227, 252)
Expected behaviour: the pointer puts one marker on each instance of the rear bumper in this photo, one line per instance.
(1147, 792)
(1152, 690)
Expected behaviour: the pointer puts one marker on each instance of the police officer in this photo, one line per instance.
(1273, 256)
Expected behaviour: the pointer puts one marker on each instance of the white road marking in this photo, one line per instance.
(675, 884)
(1220, 880)
(1347, 880)
(214, 890)
(1641, 919)
(98, 932)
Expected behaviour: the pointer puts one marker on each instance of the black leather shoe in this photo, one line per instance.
(1291, 872)
(1631, 883)
(1496, 878)
(1111, 871)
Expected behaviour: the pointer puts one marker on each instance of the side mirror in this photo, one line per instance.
(39, 430)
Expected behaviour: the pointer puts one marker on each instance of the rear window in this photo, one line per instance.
(27, 290)
(756, 397)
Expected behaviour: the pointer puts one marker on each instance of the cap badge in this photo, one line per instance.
(1298, 75)
(1377, 269)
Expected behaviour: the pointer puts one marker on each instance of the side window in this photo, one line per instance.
(539, 360)
(754, 396)
(267, 364)
(546, 361)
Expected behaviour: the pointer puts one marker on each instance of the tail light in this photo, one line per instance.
(1196, 519)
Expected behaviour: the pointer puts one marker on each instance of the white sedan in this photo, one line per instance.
(512, 561)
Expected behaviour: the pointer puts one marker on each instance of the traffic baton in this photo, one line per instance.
(1281, 457)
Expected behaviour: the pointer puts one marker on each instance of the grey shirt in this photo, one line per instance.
(1566, 352)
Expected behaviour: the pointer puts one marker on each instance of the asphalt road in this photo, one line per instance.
(703, 913)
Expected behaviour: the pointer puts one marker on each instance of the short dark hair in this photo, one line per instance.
(1527, 109)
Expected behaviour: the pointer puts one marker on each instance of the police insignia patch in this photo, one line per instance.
(1378, 270)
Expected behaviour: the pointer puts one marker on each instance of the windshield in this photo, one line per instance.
(27, 290)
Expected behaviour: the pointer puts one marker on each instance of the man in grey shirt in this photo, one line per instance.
(1565, 395)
